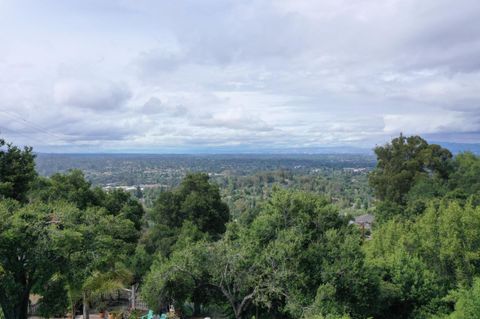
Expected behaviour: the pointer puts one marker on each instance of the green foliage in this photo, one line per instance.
(318, 316)
(70, 187)
(196, 200)
(29, 259)
(100, 284)
(286, 254)
(54, 301)
(403, 162)
(464, 181)
(422, 260)
(183, 275)
(96, 246)
(467, 305)
(69, 240)
(174, 280)
(429, 235)
(17, 171)
(296, 243)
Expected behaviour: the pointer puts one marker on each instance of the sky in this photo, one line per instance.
(195, 76)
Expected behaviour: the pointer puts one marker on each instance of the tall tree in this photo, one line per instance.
(422, 260)
(196, 200)
(401, 164)
(17, 171)
(465, 179)
(96, 245)
(297, 243)
(71, 187)
(28, 256)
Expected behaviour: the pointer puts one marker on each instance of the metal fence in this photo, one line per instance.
(33, 309)
(140, 304)
(117, 299)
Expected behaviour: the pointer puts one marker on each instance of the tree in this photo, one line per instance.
(69, 239)
(71, 187)
(274, 264)
(29, 259)
(195, 200)
(184, 275)
(402, 163)
(96, 246)
(464, 182)
(467, 305)
(421, 260)
(119, 202)
(17, 171)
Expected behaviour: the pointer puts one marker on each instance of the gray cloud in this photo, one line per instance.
(87, 95)
(233, 121)
(215, 73)
(155, 106)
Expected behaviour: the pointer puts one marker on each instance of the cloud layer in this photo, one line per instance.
(154, 76)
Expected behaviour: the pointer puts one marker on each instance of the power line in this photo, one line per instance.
(17, 133)
(30, 124)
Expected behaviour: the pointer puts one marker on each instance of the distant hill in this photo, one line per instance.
(456, 148)
(320, 150)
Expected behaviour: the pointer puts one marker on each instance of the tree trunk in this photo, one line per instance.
(238, 313)
(85, 307)
(23, 308)
(7, 311)
(18, 311)
(196, 308)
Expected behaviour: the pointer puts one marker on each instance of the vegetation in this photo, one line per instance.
(244, 180)
(263, 243)
(60, 238)
(16, 171)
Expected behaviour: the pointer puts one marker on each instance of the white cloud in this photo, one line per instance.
(236, 119)
(191, 74)
(428, 123)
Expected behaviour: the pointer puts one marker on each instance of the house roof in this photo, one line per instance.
(364, 219)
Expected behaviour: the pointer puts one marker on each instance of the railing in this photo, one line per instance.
(33, 309)
(120, 297)
(140, 304)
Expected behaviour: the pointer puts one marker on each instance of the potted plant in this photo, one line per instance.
(101, 306)
(71, 312)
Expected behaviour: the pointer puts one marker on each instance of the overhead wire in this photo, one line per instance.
(9, 132)
(30, 124)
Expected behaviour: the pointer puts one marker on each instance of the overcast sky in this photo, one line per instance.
(180, 76)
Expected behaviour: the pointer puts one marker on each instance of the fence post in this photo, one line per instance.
(133, 297)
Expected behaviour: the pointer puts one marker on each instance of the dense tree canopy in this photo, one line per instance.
(28, 257)
(403, 162)
(422, 261)
(196, 200)
(68, 242)
(17, 171)
(296, 248)
(293, 254)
